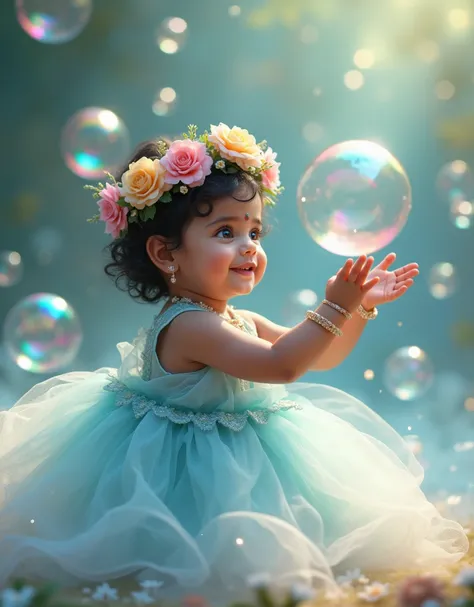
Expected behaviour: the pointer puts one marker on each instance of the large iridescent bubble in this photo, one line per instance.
(95, 140)
(53, 21)
(42, 333)
(354, 198)
(408, 373)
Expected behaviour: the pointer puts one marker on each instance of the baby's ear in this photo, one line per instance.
(157, 248)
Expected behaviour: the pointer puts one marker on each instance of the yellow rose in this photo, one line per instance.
(236, 145)
(143, 184)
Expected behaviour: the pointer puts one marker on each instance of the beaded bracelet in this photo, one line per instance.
(367, 314)
(338, 308)
(323, 322)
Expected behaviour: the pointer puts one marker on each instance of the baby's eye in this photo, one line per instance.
(256, 234)
(224, 233)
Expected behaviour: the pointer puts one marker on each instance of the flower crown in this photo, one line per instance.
(184, 164)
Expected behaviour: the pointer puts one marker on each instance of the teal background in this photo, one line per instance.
(261, 78)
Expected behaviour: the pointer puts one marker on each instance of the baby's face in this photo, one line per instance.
(217, 250)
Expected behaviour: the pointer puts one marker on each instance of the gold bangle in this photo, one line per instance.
(367, 314)
(338, 308)
(324, 323)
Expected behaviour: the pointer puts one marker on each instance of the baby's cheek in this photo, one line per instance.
(261, 264)
(221, 259)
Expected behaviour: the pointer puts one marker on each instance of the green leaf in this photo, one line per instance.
(166, 197)
(148, 213)
(231, 170)
(264, 598)
(43, 595)
(132, 218)
(122, 203)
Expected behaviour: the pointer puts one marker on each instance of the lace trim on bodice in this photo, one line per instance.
(207, 422)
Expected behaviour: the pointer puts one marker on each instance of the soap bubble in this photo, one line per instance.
(354, 198)
(462, 213)
(53, 21)
(42, 333)
(455, 183)
(442, 280)
(171, 35)
(94, 140)
(11, 268)
(296, 305)
(408, 373)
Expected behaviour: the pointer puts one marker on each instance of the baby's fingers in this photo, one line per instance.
(346, 269)
(364, 272)
(356, 268)
(369, 284)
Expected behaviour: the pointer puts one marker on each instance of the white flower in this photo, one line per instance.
(302, 592)
(183, 189)
(259, 580)
(105, 592)
(220, 164)
(17, 598)
(373, 592)
(465, 577)
(350, 576)
(142, 598)
(151, 584)
(363, 580)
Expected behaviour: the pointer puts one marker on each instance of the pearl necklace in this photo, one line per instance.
(235, 320)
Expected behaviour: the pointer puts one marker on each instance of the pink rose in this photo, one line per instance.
(114, 215)
(187, 161)
(271, 176)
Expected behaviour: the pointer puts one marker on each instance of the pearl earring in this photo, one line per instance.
(173, 277)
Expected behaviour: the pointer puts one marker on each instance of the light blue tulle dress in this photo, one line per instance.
(200, 480)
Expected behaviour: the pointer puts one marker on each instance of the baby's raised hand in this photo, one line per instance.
(351, 284)
(392, 284)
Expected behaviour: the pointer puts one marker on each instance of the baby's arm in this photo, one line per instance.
(207, 339)
(333, 356)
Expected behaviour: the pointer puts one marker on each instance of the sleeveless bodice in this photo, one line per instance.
(205, 397)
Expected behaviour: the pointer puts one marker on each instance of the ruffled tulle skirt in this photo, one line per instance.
(89, 492)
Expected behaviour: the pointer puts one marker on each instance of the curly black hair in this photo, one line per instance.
(130, 266)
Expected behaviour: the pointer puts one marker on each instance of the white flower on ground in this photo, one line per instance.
(302, 592)
(142, 598)
(373, 592)
(17, 598)
(148, 584)
(259, 580)
(350, 576)
(465, 578)
(104, 592)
